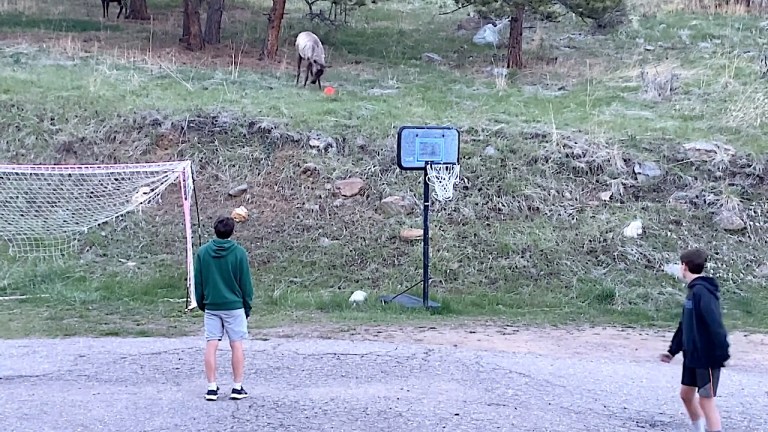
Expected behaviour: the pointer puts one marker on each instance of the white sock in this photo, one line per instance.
(238, 386)
(212, 385)
(699, 425)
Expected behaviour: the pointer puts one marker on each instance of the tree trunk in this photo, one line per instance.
(194, 39)
(275, 19)
(185, 24)
(213, 22)
(515, 47)
(138, 10)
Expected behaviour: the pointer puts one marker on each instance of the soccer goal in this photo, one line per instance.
(46, 209)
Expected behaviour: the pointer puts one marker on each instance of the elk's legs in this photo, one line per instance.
(298, 71)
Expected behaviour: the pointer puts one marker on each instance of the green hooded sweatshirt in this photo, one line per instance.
(223, 277)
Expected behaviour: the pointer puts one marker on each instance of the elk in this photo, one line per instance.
(105, 7)
(310, 48)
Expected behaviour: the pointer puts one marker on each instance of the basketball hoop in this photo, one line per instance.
(433, 150)
(443, 176)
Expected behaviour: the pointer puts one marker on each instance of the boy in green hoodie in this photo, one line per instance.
(224, 293)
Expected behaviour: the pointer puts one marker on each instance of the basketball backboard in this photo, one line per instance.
(419, 145)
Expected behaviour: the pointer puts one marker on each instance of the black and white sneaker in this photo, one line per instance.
(238, 394)
(212, 395)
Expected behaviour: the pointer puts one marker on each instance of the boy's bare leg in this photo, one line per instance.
(238, 361)
(210, 360)
(707, 395)
(711, 413)
(691, 402)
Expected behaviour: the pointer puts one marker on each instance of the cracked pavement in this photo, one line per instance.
(156, 384)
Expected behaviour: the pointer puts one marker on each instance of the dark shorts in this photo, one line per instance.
(705, 380)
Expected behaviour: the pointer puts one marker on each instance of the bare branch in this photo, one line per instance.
(457, 9)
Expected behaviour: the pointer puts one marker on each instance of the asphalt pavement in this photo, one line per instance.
(155, 384)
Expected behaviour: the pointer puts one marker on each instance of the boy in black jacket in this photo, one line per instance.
(703, 340)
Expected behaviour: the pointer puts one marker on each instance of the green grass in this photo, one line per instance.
(528, 238)
(21, 22)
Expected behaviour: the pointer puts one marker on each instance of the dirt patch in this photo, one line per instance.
(748, 351)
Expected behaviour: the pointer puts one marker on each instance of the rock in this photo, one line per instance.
(730, 221)
(634, 229)
(606, 196)
(762, 271)
(646, 170)
(350, 187)
(431, 58)
(326, 144)
(240, 214)
(381, 92)
(709, 150)
(649, 48)
(358, 297)
(489, 151)
(309, 170)
(411, 234)
(239, 190)
(395, 205)
(324, 242)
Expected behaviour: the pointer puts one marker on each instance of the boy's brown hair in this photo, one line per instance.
(695, 260)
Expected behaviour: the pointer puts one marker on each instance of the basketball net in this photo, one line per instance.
(442, 177)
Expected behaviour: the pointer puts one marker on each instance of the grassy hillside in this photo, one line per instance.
(530, 235)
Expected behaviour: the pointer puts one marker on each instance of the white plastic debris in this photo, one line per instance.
(492, 34)
(358, 297)
(673, 269)
(634, 229)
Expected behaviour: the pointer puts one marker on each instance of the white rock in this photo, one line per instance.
(634, 229)
(358, 297)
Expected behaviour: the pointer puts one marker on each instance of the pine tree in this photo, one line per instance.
(516, 10)
(602, 12)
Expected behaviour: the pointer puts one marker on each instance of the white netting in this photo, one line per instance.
(45, 209)
(442, 177)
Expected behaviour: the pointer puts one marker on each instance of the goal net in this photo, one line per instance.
(45, 209)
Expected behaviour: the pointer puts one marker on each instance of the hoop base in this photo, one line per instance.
(409, 301)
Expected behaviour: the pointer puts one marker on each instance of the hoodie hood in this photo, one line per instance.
(708, 283)
(218, 248)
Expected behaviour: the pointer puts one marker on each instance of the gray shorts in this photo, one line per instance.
(232, 322)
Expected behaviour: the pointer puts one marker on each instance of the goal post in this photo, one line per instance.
(45, 209)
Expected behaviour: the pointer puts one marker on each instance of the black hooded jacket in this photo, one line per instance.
(701, 335)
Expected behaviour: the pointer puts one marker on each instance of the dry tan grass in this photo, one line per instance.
(750, 109)
(651, 7)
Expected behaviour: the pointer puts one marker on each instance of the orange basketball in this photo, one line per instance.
(329, 91)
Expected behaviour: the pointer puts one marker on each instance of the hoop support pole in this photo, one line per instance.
(425, 243)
